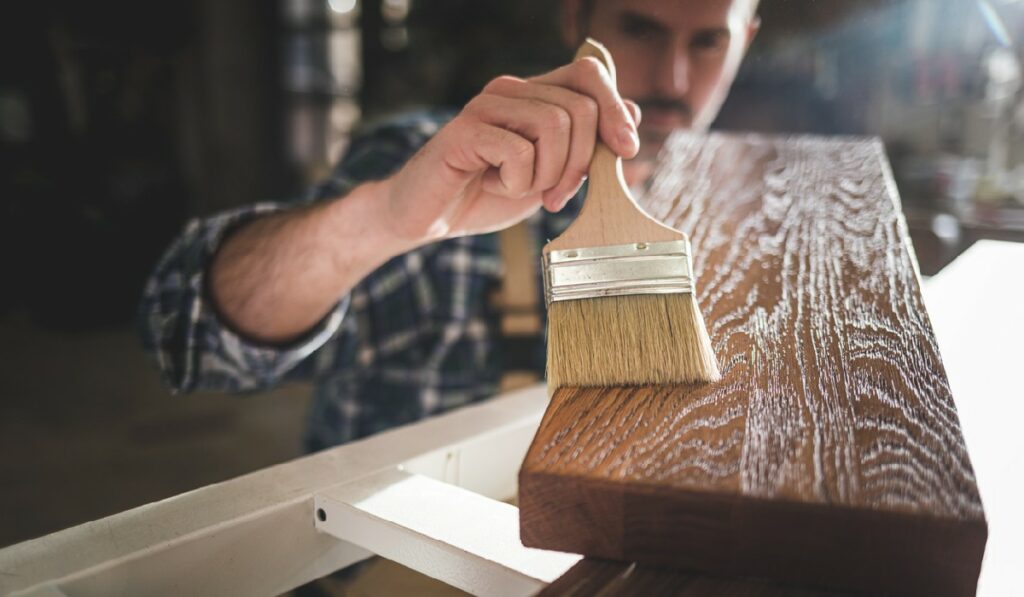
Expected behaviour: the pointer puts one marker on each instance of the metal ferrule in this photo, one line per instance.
(617, 270)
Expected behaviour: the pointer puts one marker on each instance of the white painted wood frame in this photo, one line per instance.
(258, 534)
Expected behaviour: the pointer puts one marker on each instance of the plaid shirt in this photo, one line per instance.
(417, 337)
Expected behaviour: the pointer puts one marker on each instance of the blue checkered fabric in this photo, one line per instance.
(417, 337)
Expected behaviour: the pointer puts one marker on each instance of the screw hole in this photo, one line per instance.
(641, 246)
(572, 254)
(321, 515)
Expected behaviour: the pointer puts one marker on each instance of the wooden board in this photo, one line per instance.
(621, 579)
(830, 453)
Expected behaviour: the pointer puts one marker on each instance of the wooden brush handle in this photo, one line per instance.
(610, 215)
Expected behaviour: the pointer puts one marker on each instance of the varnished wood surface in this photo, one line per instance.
(830, 452)
(619, 579)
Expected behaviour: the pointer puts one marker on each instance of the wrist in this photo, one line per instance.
(360, 226)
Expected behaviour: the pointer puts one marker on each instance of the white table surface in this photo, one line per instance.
(977, 309)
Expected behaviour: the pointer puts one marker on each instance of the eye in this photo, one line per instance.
(710, 40)
(639, 28)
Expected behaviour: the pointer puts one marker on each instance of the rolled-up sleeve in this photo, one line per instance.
(193, 347)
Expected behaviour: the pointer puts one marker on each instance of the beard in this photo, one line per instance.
(660, 118)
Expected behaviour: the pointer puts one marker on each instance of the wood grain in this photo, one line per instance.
(830, 453)
(620, 579)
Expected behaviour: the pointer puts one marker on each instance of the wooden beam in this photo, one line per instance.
(609, 578)
(830, 454)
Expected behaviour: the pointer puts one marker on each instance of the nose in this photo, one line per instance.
(672, 74)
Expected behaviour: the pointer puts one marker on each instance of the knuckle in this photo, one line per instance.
(461, 127)
(589, 67)
(557, 119)
(522, 149)
(503, 84)
(472, 107)
(585, 107)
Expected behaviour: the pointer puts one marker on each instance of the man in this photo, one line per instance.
(376, 286)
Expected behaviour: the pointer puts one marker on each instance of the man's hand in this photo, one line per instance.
(518, 145)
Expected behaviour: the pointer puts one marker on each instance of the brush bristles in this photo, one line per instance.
(628, 340)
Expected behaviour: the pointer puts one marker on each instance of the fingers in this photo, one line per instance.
(537, 137)
(546, 124)
(506, 157)
(634, 111)
(583, 114)
(615, 121)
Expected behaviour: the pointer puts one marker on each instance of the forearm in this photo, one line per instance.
(279, 275)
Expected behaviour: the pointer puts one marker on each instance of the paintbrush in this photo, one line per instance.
(619, 289)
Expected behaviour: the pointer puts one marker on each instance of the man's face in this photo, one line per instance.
(676, 58)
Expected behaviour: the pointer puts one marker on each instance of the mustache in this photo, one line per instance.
(667, 104)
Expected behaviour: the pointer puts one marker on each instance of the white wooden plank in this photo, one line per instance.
(252, 535)
(446, 532)
(977, 309)
(481, 464)
(45, 591)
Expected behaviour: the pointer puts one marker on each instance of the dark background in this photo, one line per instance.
(120, 120)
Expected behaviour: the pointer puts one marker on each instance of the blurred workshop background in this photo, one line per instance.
(119, 120)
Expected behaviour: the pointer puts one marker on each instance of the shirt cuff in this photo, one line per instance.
(218, 357)
(252, 364)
